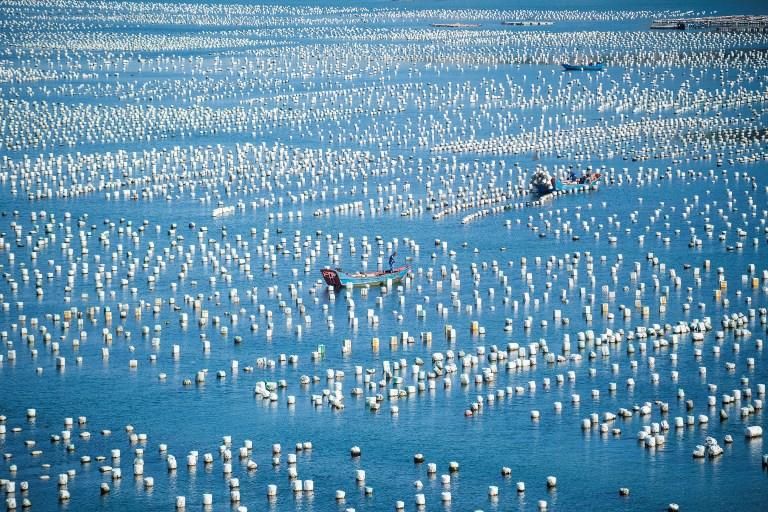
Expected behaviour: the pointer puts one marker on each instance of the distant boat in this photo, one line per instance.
(592, 66)
(455, 25)
(543, 183)
(528, 23)
(340, 279)
(668, 25)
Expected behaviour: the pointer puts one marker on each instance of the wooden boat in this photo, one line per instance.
(592, 66)
(339, 279)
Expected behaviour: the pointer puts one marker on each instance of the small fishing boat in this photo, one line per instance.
(592, 66)
(339, 279)
(543, 183)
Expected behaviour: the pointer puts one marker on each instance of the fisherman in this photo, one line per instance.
(392, 258)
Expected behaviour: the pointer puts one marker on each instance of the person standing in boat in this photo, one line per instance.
(392, 258)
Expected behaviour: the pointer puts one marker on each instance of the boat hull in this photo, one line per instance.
(583, 67)
(340, 279)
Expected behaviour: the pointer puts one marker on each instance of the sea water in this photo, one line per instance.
(349, 118)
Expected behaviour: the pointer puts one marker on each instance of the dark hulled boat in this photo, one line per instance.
(592, 66)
